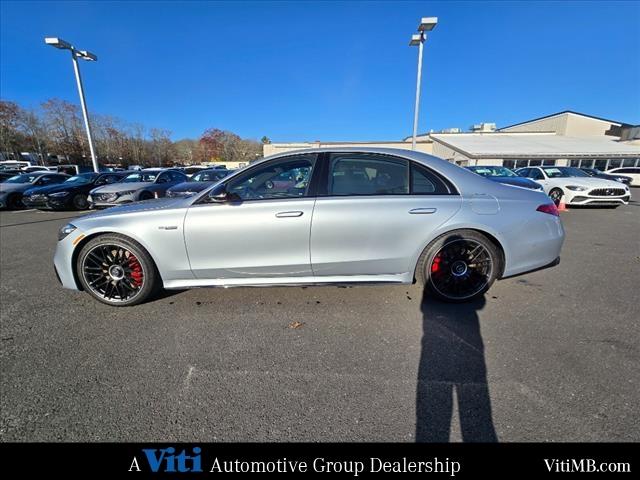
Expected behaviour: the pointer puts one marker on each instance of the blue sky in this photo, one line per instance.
(326, 71)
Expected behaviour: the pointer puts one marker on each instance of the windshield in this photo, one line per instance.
(82, 179)
(141, 177)
(208, 176)
(563, 172)
(493, 171)
(26, 178)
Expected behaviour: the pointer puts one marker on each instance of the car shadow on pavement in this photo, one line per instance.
(452, 367)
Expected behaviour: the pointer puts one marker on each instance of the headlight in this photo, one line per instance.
(180, 194)
(126, 192)
(577, 188)
(59, 194)
(66, 230)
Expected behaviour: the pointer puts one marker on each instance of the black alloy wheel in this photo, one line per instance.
(460, 266)
(116, 270)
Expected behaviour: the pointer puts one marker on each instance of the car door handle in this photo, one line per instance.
(295, 213)
(422, 211)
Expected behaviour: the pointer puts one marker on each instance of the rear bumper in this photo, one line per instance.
(533, 245)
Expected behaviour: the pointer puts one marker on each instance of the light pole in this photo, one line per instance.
(75, 54)
(426, 24)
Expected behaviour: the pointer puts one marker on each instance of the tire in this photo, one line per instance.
(556, 195)
(80, 202)
(14, 202)
(145, 196)
(108, 273)
(446, 270)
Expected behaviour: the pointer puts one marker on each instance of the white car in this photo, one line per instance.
(577, 187)
(631, 172)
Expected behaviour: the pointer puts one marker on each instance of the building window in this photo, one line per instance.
(509, 163)
(548, 162)
(601, 164)
(586, 163)
(615, 163)
(535, 163)
(575, 162)
(629, 162)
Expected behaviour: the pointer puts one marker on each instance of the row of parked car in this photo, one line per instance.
(571, 185)
(44, 189)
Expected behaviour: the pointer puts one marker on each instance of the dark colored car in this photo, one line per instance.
(136, 186)
(11, 190)
(71, 194)
(198, 182)
(594, 172)
(505, 176)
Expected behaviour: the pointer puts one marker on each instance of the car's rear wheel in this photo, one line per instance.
(459, 266)
(80, 202)
(556, 195)
(116, 270)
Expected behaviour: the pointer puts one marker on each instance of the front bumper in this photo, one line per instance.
(47, 203)
(588, 200)
(63, 259)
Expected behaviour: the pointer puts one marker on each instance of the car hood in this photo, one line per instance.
(155, 204)
(14, 187)
(517, 181)
(121, 187)
(58, 187)
(191, 186)
(590, 182)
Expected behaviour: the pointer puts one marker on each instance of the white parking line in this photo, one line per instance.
(24, 211)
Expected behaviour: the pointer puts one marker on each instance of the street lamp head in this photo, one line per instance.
(427, 24)
(417, 39)
(90, 57)
(58, 43)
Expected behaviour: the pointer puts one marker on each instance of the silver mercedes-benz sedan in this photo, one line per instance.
(328, 216)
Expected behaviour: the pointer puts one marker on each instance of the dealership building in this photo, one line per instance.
(563, 138)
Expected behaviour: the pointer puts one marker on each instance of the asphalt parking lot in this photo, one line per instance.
(549, 356)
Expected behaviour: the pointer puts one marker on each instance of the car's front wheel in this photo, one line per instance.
(117, 270)
(459, 266)
(80, 201)
(556, 195)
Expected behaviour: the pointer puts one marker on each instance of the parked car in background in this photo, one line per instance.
(192, 170)
(6, 174)
(70, 194)
(198, 182)
(11, 190)
(632, 172)
(577, 187)
(138, 185)
(505, 176)
(594, 172)
(36, 168)
(366, 215)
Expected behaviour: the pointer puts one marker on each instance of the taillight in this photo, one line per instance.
(549, 208)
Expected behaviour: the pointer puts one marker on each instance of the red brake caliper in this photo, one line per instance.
(435, 266)
(136, 271)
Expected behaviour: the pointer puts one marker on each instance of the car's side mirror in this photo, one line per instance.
(221, 195)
